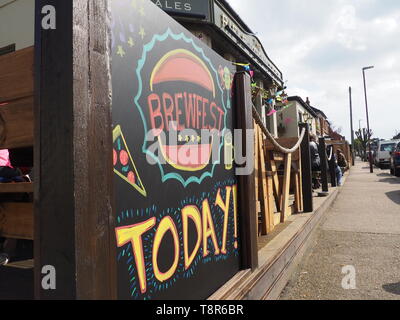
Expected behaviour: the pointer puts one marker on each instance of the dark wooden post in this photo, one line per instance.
(246, 188)
(324, 165)
(353, 156)
(306, 170)
(73, 152)
(332, 169)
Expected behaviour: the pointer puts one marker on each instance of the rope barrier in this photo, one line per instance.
(268, 134)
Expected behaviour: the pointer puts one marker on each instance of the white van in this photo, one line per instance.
(383, 152)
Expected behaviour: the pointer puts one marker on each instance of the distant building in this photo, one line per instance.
(336, 136)
(18, 32)
(323, 127)
(298, 112)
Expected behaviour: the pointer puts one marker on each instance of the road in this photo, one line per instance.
(360, 232)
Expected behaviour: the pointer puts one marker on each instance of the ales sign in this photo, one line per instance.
(189, 8)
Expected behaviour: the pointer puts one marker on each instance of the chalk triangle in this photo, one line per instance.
(124, 166)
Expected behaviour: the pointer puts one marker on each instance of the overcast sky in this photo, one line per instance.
(321, 47)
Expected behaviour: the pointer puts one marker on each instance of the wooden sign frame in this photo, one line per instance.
(73, 152)
(74, 211)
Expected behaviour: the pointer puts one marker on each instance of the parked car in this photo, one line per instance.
(395, 161)
(383, 153)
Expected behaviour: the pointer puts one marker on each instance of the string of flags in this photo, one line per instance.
(274, 100)
(246, 67)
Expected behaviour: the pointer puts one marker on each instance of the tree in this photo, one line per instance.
(358, 148)
(397, 136)
(363, 139)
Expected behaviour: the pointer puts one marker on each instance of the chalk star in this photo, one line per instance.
(198, 138)
(131, 42)
(142, 33)
(121, 52)
(193, 138)
(187, 138)
(180, 138)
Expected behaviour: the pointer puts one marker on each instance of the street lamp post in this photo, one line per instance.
(366, 108)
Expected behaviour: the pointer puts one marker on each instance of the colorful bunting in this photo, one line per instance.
(280, 97)
(242, 64)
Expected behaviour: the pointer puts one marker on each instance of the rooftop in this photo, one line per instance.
(304, 105)
(315, 109)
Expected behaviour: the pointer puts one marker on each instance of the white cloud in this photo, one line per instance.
(387, 24)
(347, 18)
(321, 47)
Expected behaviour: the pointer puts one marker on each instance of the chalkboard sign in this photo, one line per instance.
(175, 188)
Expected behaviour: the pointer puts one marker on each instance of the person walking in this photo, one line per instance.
(341, 166)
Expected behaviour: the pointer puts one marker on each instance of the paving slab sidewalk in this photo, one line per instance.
(362, 230)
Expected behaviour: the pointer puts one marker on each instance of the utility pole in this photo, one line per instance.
(351, 126)
(371, 167)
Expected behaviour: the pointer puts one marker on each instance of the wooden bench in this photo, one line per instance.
(16, 124)
(25, 187)
(16, 131)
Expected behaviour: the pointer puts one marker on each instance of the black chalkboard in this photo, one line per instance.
(176, 195)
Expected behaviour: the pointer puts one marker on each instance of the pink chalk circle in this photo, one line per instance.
(123, 157)
(131, 177)
(115, 157)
